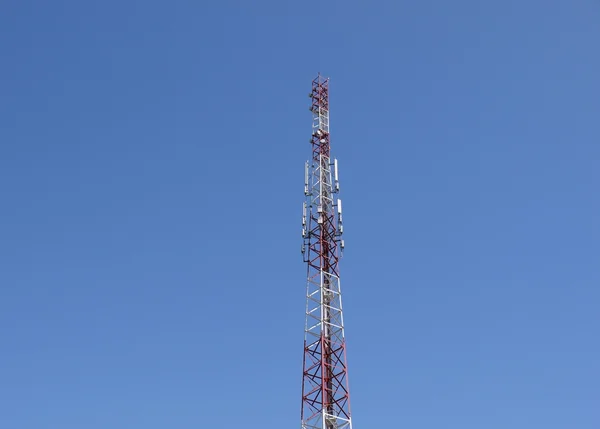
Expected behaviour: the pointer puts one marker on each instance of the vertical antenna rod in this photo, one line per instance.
(325, 391)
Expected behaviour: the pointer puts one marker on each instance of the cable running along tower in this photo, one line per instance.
(325, 392)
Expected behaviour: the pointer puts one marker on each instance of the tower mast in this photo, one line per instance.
(325, 391)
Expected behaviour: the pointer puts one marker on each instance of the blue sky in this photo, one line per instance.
(151, 175)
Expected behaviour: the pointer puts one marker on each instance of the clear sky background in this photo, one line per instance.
(151, 180)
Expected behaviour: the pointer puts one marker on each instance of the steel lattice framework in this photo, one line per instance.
(325, 391)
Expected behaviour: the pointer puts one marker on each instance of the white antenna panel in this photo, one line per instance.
(306, 178)
(335, 169)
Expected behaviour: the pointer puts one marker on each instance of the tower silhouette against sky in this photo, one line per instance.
(325, 390)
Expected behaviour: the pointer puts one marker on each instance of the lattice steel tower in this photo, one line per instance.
(325, 393)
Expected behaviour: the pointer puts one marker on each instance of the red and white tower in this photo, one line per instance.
(325, 392)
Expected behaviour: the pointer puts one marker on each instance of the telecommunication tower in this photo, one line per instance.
(325, 390)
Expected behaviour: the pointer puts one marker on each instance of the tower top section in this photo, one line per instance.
(320, 104)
